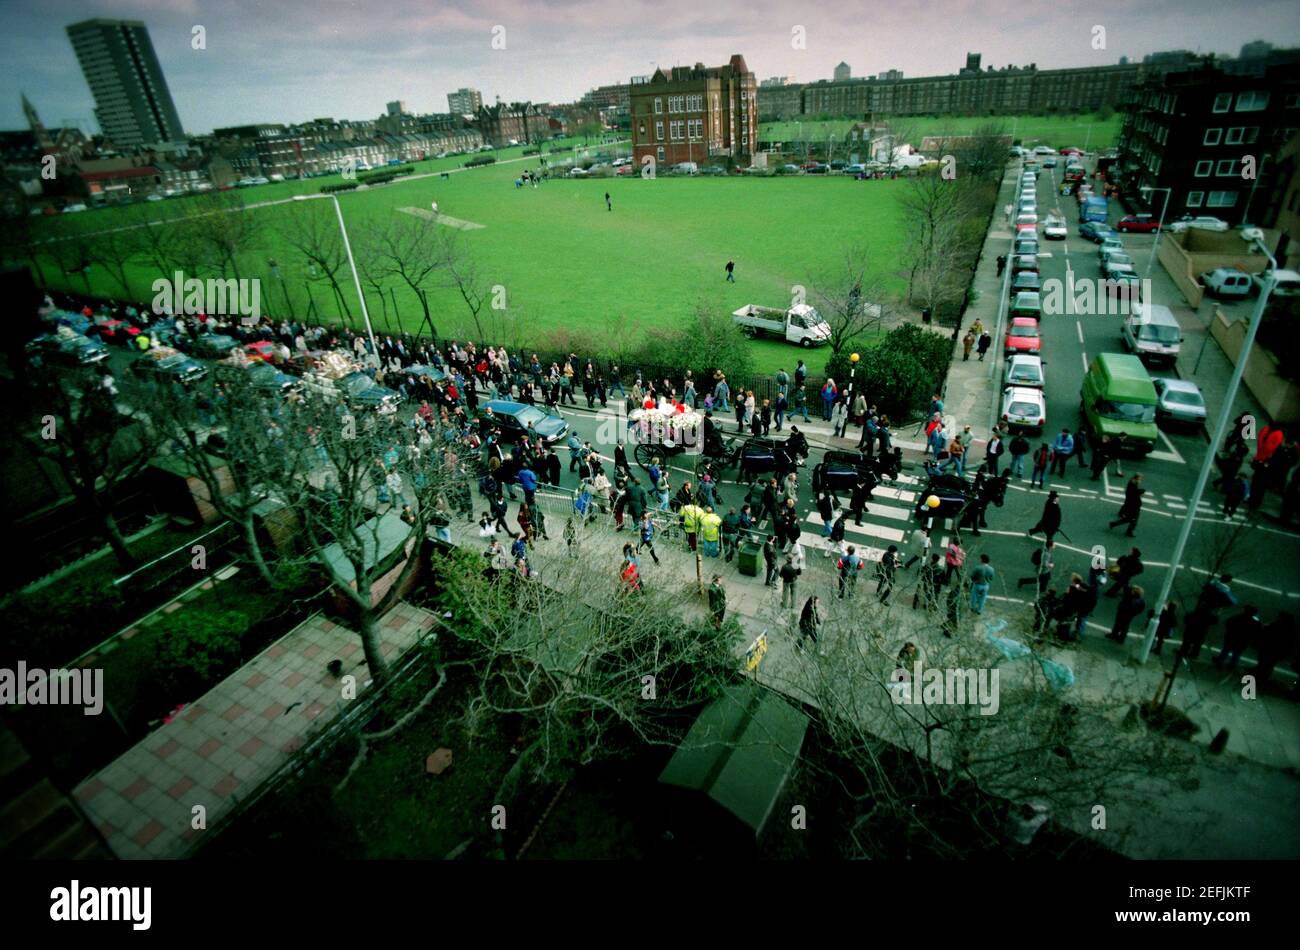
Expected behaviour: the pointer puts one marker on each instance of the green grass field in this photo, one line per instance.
(566, 262)
(1057, 130)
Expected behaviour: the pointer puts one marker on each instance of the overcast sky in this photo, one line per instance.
(288, 60)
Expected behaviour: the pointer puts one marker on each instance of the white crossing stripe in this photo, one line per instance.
(897, 494)
(812, 542)
(873, 530)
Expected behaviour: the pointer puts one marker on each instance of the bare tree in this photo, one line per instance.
(226, 230)
(851, 302)
(461, 273)
(117, 249)
(98, 443)
(936, 210)
(313, 232)
(75, 252)
(405, 247)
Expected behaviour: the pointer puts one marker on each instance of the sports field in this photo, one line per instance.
(566, 261)
(1054, 130)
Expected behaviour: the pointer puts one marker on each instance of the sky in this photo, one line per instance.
(291, 60)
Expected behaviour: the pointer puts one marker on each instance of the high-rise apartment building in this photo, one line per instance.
(464, 101)
(132, 102)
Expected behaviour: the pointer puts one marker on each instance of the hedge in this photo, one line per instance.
(900, 374)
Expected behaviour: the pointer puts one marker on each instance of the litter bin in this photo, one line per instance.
(749, 555)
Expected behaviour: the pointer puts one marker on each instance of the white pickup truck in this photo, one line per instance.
(800, 324)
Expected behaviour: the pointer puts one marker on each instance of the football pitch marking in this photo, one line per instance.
(443, 219)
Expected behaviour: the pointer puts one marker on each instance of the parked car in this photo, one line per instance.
(839, 165)
(1227, 282)
(1096, 231)
(1287, 283)
(517, 419)
(820, 168)
(1200, 222)
(1026, 304)
(714, 170)
(214, 346)
(855, 169)
(1024, 409)
(1026, 280)
(1071, 150)
(1027, 222)
(1108, 246)
(788, 170)
(1179, 401)
(1116, 265)
(1054, 228)
(163, 364)
(1024, 262)
(1042, 150)
(1049, 162)
(270, 381)
(67, 347)
(263, 350)
(74, 208)
(685, 168)
(1026, 244)
(1140, 223)
(1024, 370)
(1022, 336)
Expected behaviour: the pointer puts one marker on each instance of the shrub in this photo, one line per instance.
(708, 341)
(197, 648)
(480, 160)
(343, 186)
(900, 374)
(59, 622)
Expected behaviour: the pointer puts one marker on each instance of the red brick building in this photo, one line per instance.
(694, 114)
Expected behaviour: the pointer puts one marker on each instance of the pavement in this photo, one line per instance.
(234, 737)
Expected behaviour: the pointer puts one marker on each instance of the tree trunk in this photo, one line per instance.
(255, 551)
(368, 624)
(113, 534)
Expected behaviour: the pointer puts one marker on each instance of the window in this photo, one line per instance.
(1292, 100)
(659, 105)
(1223, 102)
(1203, 169)
(1226, 167)
(661, 154)
(1212, 137)
(1221, 199)
(659, 131)
(1194, 198)
(1255, 101)
(1242, 135)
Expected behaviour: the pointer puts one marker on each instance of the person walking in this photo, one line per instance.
(839, 419)
(691, 515)
(918, 546)
(730, 534)
(980, 580)
(779, 409)
(1100, 457)
(849, 566)
(1132, 507)
(1167, 624)
(1043, 563)
(809, 622)
(954, 557)
(829, 393)
(717, 601)
(608, 205)
(647, 536)
(1127, 567)
(993, 452)
(731, 271)
(985, 341)
(837, 534)
(1081, 446)
(1002, 264)
(858, 500)
(967, 344)
(1235, 492)
(1019, 449)
(789, 576)
(1130, 606)
(928, 581)
(885, 572)
(1049, 522)
(1240, 632)
(826, 505)
(1062, 449)
(769, 559)
(801, 403)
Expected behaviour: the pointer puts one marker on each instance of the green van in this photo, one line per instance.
(1119, 397)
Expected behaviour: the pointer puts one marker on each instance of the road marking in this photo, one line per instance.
(1079, 327)
(1084, 354)
(1172, 455)
(897, 494)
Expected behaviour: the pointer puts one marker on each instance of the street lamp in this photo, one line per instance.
(1220, 430)
(356, 278)
(1160, 228)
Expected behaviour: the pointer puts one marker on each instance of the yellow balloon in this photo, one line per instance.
(932, 501)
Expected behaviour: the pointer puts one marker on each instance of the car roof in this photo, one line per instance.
(1180, 385)
(1023, 392)
(1025, 357)
(1024, 322)
(504, 405)
(1026, 297)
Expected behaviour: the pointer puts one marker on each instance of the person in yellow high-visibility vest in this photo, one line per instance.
(691, 515)
(711, 532)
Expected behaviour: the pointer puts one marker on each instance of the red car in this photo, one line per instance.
(261, 350)
(1143, 223)
(1022, 337)
(1071, 150)
(115, 331)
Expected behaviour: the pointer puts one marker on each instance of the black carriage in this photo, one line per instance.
(758, 456)
(955, 493)
(838, 471)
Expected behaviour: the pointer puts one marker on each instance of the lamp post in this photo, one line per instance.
(1160, 228)
(853, 368)
(1220, 430)
(356, 278)
(1259, 173)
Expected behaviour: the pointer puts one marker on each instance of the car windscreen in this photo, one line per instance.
(529, 415)
(1183, 398)
(357, 384)
(1023, 409)
(1024, 331)
(1025, 374)
(1160, 333)
(1127, 411)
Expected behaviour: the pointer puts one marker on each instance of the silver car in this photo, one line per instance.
(1180, 401)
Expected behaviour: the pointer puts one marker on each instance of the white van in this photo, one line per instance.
(1152, 332)
(1288, 283)
(1227, 282)
(686, 168)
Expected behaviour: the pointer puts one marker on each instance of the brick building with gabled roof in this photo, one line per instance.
(696, 114)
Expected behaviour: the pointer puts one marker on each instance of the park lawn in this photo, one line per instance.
(1054, 130)
(565, 261)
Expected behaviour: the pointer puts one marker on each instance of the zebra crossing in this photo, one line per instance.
(887, 518)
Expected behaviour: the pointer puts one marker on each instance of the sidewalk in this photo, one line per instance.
(234, 737)
(1264, 743)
